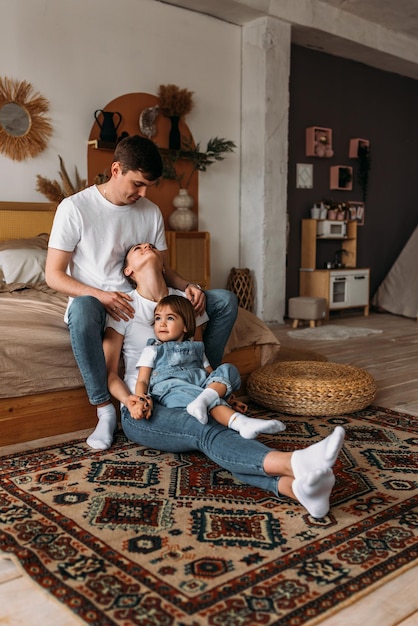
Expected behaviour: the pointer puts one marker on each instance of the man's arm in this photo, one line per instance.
(116, 303)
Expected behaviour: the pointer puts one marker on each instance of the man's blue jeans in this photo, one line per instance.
(86, 322)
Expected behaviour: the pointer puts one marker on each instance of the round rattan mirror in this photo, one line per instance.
(24, 125)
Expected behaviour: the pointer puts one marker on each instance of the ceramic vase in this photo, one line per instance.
(174, 139)
(183, 217)
(108, 127)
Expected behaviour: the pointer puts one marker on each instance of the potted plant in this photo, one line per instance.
(216, 149)
(363, 160)
(174, 104)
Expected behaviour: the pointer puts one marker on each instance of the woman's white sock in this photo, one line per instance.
(199, 406)
(314, 490)
(102, 436)
(251, 427)
(319, 455)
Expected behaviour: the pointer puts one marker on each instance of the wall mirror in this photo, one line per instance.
(24, 125)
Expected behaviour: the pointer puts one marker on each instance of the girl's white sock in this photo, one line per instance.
(251, 427)
(199, 406)
(101, 438)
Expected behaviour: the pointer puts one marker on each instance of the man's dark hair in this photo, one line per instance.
(139, 153)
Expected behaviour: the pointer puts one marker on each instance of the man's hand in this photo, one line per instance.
(117, 304)
(197, 298)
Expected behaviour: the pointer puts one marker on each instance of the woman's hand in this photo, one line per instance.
(139, 407)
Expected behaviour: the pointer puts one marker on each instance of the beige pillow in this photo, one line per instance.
(21, 265)
(40, 242)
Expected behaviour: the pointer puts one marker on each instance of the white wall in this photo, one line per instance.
(82, 54)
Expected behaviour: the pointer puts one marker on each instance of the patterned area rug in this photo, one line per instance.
(136, 536)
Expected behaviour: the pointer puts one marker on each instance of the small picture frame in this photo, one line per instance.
(304, 176)
(356, 212)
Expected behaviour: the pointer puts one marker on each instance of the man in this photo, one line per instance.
(91, 233)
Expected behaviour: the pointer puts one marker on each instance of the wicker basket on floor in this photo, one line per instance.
(241, 283)
(311, 387)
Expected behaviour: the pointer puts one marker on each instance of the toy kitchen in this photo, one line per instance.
(329, 265)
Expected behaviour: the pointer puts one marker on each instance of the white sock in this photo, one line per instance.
(101, 438)
(199, 406)
(250, 427)
(319, 455)
(313, 491)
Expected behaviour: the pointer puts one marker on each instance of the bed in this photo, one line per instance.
(41, 390)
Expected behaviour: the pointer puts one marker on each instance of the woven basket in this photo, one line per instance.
(241, 283)
(311, 387)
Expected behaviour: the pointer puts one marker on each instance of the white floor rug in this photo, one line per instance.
(330, 332)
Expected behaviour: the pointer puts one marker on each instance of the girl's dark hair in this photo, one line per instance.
(182, 307)
(139, 153)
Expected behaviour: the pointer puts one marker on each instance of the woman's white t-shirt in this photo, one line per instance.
(138, 330)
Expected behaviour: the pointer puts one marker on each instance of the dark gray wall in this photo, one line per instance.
(355, 100)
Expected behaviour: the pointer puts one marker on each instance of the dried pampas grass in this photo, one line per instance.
(55, 191)
(175, 101)
(35, 140)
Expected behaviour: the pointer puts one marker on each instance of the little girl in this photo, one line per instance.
(173, 369)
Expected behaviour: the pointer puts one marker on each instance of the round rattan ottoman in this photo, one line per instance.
(311, 387)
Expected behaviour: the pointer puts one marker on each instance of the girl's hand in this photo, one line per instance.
(140, 406)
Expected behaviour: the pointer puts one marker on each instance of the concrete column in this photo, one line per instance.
(265, 104)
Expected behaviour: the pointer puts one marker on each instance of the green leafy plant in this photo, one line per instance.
(216, 150)
(364, 163)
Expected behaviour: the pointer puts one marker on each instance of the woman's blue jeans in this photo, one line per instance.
(86, 322)
(174, 430)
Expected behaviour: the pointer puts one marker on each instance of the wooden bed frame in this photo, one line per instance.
(46, 414)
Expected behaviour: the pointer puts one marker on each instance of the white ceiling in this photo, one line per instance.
(398, 16)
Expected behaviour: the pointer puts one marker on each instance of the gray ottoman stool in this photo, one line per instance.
(307, 308)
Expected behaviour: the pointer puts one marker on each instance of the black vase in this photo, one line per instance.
(108, 128)
(174, 139)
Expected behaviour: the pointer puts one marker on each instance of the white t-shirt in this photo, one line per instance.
(99, 234)
(138, 330)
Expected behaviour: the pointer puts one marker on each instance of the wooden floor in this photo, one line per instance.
(392, 358)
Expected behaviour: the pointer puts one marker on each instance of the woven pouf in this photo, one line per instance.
(311, 387)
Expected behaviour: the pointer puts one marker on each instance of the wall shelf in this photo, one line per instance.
(99, 154)
(354, 147)
(319, 142)
(341, 177)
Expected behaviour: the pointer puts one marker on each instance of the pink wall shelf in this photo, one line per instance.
(319, 142)
(354, 146)
(336, 177)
